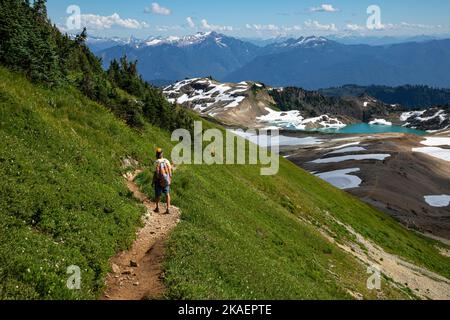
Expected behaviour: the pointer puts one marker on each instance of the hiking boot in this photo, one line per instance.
(167, 212)
(156, 210)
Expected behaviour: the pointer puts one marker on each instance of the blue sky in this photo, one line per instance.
(254, 18)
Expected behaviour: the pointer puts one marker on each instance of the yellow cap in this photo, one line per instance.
(158, 150)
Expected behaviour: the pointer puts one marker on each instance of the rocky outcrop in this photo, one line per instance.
(433, 119)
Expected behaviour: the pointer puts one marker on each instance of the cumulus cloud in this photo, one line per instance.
(324, 8)
(97, 22)
(190, 22)
(156, 8)
(206, 25)
(315, 25)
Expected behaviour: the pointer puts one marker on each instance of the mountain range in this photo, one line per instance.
(173, 58)
(311, 62)
(254, 105)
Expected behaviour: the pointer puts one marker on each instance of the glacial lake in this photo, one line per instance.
(364, 128)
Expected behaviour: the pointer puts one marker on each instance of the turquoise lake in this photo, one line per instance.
(364, 128)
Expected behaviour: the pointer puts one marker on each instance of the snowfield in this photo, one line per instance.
(341, 178)
(294, 120)
(216, 99)
(381, 122)
(433, 120)
(441, 201)
(440, 153)
(207, 96)
(264, 141)
(418, 116)
(347, 150)
(436, 141)
(433, 150)
(407, 115)
(345, 145)
(354, 157)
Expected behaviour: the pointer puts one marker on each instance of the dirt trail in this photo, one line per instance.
(424, 283)
(137, 273)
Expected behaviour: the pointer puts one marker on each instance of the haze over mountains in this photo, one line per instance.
(311, 62)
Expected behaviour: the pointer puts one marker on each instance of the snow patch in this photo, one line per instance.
(439, 153)
(361, 157)
(206, 95)
(347, 150)
(381, 122)
(345, 145)
(341, 178)
(436, 141)
(441, 201)
(294, 120)
(418, 116)
(265, 141)
(406, 115)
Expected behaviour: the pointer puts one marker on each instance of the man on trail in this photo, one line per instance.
(162, 179)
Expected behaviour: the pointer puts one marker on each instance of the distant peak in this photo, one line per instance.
(184, 41)
(312, 39)
(307, 42)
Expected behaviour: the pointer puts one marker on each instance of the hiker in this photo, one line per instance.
(162, 179)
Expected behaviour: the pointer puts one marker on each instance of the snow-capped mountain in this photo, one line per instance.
(230, 103)
(255, 105)
(248, 104)
(326, 64)
(97, 44)
(302, 42)
(186, 40)
(175, 58)
(308, 62)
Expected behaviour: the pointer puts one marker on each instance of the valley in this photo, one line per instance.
(394, 159)
(394, 172)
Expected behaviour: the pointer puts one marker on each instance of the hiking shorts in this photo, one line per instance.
(161, 190)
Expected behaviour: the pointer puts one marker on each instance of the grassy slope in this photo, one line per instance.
(241, 236)
(63, 202)
(62, 199)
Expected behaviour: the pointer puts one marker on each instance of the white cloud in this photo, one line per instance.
(391, 26)
(190, 22)
(156, 8)
(354, 27)
(207, 26)
(262, 27)
(292, 28)
(168, 28)
(313, 24)
(324, 8)
(97, 22)
(419, 26)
